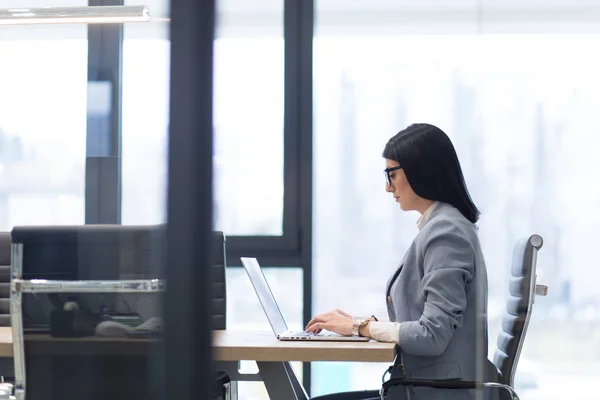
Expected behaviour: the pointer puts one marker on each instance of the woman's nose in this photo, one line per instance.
(388, 188)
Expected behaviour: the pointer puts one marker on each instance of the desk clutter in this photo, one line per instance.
(110, 328)
(73, 321)
(5, 390)
(78, 323)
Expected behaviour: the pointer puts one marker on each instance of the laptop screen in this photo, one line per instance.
(265, 296)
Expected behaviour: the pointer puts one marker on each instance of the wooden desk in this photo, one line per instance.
(228, 345)
(263, 346)
(272, 356)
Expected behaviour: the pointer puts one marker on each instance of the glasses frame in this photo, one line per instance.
(386, 172)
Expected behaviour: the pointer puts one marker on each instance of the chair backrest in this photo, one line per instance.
(90, 252)
(5, 278)
(522, 291)
(219, 292)
(219, 302)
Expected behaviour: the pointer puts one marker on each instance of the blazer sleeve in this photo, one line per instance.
(448, 266)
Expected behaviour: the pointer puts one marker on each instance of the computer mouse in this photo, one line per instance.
(112, 329)
(153, 324)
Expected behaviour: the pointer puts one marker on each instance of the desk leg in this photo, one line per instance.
(281, 381)
(298, 388)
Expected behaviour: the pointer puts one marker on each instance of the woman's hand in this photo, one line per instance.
(336, 321)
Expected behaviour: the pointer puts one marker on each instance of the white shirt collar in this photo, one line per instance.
(426, 216)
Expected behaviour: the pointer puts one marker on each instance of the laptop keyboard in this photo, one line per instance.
(306, 334)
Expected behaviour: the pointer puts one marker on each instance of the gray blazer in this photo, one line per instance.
(439, 295)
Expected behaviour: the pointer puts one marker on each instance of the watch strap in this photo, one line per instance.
(357, 323)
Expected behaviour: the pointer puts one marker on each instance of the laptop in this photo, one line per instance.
(274, 315)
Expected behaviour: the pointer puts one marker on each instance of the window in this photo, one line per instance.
(246, 313)
(145, 117)
(520, 109)
(249, 135)
(248, 118)
(145, 130)
(43, 88)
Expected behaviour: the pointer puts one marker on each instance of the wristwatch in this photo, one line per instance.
(357, 323)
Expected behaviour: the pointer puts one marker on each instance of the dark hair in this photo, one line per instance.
(431, 165)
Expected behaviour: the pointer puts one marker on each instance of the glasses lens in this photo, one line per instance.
(387, 178)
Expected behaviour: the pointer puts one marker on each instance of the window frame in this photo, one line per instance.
(288, 249)
(103, 165)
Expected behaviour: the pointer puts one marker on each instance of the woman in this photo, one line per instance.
(436, 298)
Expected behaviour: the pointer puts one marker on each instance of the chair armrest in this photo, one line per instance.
(444, 385)
(221, 378)
(541, 290)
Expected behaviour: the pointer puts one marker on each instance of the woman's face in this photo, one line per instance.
(400, 188)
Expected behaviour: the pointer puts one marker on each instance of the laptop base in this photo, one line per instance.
(329, 337)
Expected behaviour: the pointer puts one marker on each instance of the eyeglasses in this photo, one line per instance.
(386, 172)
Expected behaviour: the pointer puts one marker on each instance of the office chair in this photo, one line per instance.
(522, 290)
(221, 381)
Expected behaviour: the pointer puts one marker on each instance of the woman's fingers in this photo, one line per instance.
(325, 319)
(312, 321)
(318, 318)
(318, 327)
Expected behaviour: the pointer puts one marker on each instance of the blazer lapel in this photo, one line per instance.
(393, 278)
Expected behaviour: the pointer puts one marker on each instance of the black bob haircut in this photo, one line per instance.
(431, 165)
